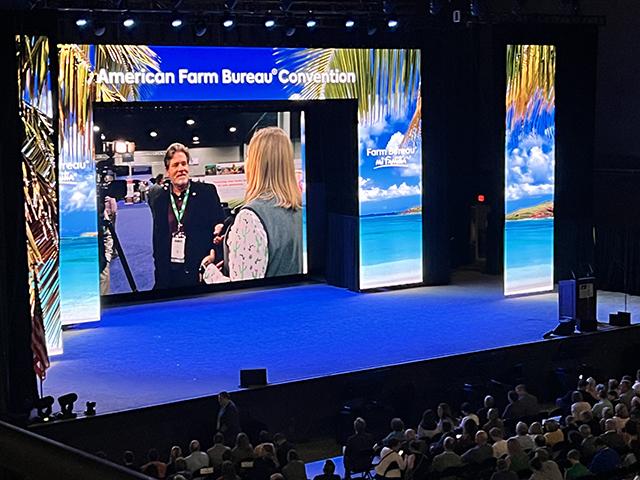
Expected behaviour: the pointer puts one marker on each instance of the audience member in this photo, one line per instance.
(553, 433)
(514, 409)
(579, 405)
(483, 413)
(626, 393)
(621, 416)
(446, 459)
(174, 454)
(445, 415)
(502, 471)
(588, 446)
(576, 469)
(428, 426)
(391, 464)
(467, 413)
(522, 436)
(295, 468)
(196, 459)
(217, 451)
(397, 431)
(543, 468)
(282, 448)
(499, 443)
(611, 437)
(153, 459)
(266, 464)
(493, 420)
(518, 459)
(129, 461)
(358, 451)
(528, 402)
(328, 472)
(181, 469)
(605, 460)
(602, 403)
(481, 452)
(228, 471)
(243, 450)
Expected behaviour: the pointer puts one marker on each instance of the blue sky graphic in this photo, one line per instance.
(530, 156)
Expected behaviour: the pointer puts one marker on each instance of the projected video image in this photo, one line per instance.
(184, 196)
(529, 169)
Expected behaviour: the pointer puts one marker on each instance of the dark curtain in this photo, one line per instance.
(618, 258)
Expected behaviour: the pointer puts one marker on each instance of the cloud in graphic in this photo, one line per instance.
(369, 192)
(530, 170)
(395, 141)
(78, 197)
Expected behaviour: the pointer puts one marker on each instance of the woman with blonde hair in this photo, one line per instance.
(265, 239)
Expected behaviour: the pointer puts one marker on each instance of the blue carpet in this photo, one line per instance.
(155, 353)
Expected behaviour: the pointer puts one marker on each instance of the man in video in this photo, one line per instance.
(185, 214)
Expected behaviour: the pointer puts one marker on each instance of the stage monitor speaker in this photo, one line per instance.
(577, 299)
(620, 319)
(255, 377)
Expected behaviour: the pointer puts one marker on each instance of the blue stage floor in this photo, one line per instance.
(156, 353)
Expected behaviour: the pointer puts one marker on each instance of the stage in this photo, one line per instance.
(151, 354)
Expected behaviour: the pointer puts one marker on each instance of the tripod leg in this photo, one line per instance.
(123, 258)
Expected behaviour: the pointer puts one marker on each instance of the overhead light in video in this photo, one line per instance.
(129, 22)
(82, 22)
(122, 146)
(191, 122)
(153, 134)
(269, 23)
(228, 22)
(196, 139)
(103, 136)
(312, 23)
(176, 22)
(392, 24)
(233, 129)
(96, 128)
(350, 23)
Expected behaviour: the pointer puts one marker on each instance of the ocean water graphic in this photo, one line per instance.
(79, 280)
(390, 250)
(528, 256)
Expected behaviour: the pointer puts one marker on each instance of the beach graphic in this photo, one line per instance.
(529, 169)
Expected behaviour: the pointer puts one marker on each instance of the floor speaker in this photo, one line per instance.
(254, 377)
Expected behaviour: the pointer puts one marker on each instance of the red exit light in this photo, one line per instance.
(481, 198)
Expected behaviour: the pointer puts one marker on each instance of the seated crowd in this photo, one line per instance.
(592, 432)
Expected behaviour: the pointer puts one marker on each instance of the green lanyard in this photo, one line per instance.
(179, 215)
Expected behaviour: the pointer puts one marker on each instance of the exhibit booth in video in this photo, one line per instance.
(154, 177)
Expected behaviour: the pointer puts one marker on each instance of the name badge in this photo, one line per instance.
(178, 242)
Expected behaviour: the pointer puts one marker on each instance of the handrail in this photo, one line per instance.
(31, 456)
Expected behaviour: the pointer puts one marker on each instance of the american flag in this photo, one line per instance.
(38, 340)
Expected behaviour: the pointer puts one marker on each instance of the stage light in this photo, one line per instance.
(153, 134)
(191, 122)
(392, 23)
(96, 128)
(195, 139)
(349, 23)
(269, 23)
(103, 136)
(200, 29)
(176, 22)
(233, 129)
(44, 406)
(311, 23)
(228, 22)
(99, 28)
(66, 405)
(129, 22)
(91, 409)
(82, 22)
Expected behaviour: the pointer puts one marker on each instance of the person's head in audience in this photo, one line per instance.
(227, 455)
(576, 397)
(607, 413)
(610, 425)
(535, 464)
(292, 456)
(631, 429)
(569, 421)
(152, 455)
(539, 441)
(397, 425)
(582, 384)
(613, 385)
(444, 411)
(242, 440)
(128, 458)
(276, 476)
(603, 394)
(227, 470)
(551, 426)
(574, 438)
(599, 444)
(635, 404)
(513, 446)
(179, 477)
(622, 411)
(194, 446)
(481, 438)
(224, 398)
(394, 444)
(489, 402)
(586, 416)
(512, 396)
(465, 408)
(625, 386)
(359, 425)
(329, 467)
(279, 438)
(449, 444)
(174, 453)
(521, 428)
(410, 435)
(502, 465)
(521, 389)
(263, 437)
(591, 383)
(429, 420)
(218, 438)
(268, 451)
(536, 429)
(496, 434)
(493, 414)
(469, 427)
(416, 446)
(585, 431)
(573, 456)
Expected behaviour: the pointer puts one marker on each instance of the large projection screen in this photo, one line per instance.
(386, 83)
(529, 169)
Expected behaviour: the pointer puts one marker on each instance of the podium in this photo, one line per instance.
(577, 300)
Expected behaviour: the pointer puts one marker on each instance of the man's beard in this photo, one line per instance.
(181, 181)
